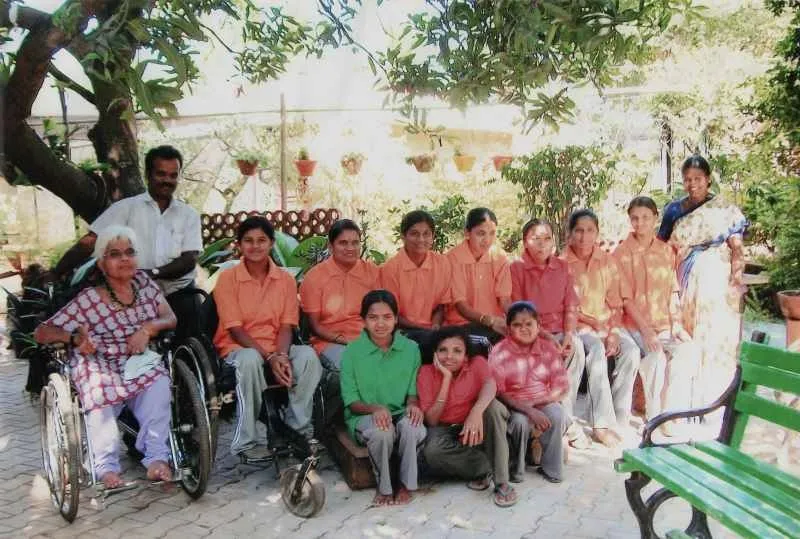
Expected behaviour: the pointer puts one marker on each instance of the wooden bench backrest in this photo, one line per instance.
(771, 368)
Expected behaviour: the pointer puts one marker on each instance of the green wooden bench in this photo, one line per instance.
(750, 497)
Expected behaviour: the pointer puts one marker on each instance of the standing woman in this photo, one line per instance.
(420, 280)
(600, 328)
(332, 291)
(379, 390)
(652, 311)
(545, 280)
(706, 232)
(481, 285)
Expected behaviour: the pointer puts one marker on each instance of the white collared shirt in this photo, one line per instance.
(162, 237)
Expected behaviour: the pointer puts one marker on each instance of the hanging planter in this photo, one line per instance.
(351, 163)
(464, 162)
(305, 166)
(501, 161)
(247, 167)
(423, 162)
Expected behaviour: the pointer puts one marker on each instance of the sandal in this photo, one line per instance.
(482, 483)
(504, 495)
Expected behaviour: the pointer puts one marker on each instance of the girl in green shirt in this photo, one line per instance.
(379, 390)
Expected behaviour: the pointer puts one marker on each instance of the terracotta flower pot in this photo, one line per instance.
(305, 167)
(789, 302)
(423, 162)
(501, 161)
(247, 168)
(352, 166)
(464, 163)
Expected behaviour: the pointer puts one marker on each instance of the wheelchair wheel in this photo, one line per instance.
(60, 446)
(190, 425)
(312, 493)
(203, 356)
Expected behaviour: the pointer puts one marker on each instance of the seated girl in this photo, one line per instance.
(481, 283)
(331, 293)
(545, 280)
(600, 329)
(258, 308)
(531, 381)
(105, 325)
(420, 280)
(379, 390)
(466, 425)
(652, 312)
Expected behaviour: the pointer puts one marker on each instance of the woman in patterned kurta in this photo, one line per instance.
(706, 232)
(107, 324)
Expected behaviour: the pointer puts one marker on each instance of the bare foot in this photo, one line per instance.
(381, 500)
(159, 471)
(112, 480)
(403, 496)
(605, 437)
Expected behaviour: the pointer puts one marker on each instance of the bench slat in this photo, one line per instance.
(767, 356)
(736, 475)
(771, 377)
(754, 405)
(766, 472)
(698, 494)
(755, 505)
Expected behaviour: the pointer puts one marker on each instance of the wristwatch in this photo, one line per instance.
(155, 272)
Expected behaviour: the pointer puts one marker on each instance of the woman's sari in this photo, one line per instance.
(710, 304)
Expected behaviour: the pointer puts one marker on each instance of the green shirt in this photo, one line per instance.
(373, 376)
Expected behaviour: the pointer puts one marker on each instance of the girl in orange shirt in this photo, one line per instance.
(481, 285)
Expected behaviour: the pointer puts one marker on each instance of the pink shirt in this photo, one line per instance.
(550, 287)
(534, 373)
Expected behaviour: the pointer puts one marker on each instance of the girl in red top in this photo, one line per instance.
(531, 381)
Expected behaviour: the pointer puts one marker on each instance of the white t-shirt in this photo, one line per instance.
(162, 237)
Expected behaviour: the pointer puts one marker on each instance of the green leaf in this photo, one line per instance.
(283, 248)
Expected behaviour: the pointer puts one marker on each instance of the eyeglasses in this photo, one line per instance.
(116, 254)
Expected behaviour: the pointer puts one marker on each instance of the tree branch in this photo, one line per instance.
(27, 18)
(71, 84)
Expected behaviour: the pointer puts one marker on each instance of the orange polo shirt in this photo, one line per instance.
(647, 276)
(550, 287)
(259, 308)
(335, 294)
(418, 289)
(481, 283)
(597, 285)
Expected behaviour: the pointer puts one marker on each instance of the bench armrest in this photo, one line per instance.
(723, 401)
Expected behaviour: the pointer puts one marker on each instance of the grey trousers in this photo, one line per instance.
(250, 386)
(331, 356)
(575, 365)
(609, 404)
(552, 440)
(402, 437)
(447, 456)
(667, 375)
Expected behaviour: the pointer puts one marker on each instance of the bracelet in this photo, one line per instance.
(440, 400)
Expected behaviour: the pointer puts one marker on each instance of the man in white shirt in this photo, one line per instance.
(168, 230)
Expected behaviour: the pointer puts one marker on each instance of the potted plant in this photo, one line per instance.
(247, 161)
(351, 162)
(464, 162)
(305, 166)
(501, 161)
(789, 302)
(423, 162)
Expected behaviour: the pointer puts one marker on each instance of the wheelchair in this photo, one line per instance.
(302, 490)
(66, 445)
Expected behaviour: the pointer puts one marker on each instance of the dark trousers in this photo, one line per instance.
(186, 304)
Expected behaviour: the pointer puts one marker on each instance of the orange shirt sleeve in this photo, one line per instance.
(613, 295)
(502, 281)
(447, 278)
(626, 279)
(571, 299)
(458, 286)
(388, 279)
(225, 297)
(517, 282)
(311, 292)
(291, 306)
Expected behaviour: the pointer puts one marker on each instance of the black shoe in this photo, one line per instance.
(256, 455)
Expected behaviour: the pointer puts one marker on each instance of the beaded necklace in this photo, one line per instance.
(115, 298)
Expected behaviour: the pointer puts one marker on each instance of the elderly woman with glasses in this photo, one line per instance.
(105, 325)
